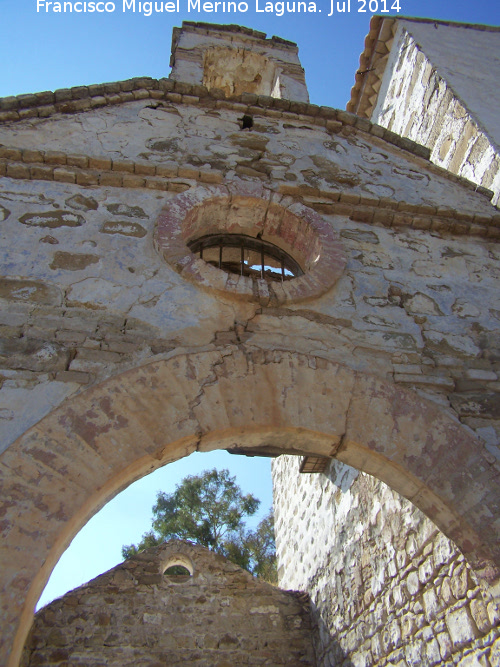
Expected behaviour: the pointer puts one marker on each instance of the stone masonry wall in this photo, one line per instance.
(417, 102)
(137, 615)
(387, 588)
(85, 294)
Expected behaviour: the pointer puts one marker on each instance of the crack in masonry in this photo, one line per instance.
(210, 380)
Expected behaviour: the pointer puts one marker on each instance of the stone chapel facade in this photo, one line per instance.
(209, 261)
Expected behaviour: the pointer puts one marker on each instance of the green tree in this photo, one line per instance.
(210, 509)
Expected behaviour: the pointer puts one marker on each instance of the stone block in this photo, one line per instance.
(480, 615)
(445, 645)
(113, 179)
(81, 161)
(145, 168)
(73, 376)
(153, 183)
(100, 163)
(413, 653)
(33, 355)
(460, 582)
(14, 154)
(495, 652)
(493, 610)
(426, 570)
(72, 261)
(123, 165)
(461, 627)
(133, 181)
(87, 177)
(9, 103)
(431, 604)
(477, 658)
(32, 156)
(18, 171)
(28, 113)
(46, 111)
(64, 175)
(432, 652)
(186, 172)
(6, 116)
(141, 94)
(167, 170)
(54, 157)
(211, 177)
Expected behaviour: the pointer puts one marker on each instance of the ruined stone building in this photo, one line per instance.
(210, 262)
(429, 81)
(140, 614)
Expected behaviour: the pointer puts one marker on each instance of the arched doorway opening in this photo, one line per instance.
(66, 467)
(125, 519)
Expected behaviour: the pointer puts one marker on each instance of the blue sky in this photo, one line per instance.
(46, 50)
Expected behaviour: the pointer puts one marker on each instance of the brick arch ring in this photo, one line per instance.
(65, 468)
(251, 210)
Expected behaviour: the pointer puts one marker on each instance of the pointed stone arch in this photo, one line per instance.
(62, 470)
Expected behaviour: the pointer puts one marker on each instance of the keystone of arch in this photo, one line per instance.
(63, 469)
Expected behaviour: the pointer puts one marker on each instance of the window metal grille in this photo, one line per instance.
(246, 256)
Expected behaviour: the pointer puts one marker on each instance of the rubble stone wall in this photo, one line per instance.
(85, 295)
(387, 588)
(418, 100)
(135, 614)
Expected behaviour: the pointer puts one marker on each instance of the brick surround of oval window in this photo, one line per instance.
(250, 210)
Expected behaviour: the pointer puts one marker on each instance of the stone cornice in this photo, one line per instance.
(372, 62)
(84, 170)
(86, 98)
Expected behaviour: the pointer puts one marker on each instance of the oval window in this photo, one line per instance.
(246, 241)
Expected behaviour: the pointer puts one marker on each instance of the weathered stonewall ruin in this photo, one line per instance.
(139, 614)
(139, 323)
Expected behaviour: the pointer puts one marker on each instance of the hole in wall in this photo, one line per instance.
(178, 569)
(246, 122)
(285, 231)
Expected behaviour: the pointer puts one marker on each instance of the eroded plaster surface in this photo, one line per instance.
(275, 150)
(446, 103)
(123, 365)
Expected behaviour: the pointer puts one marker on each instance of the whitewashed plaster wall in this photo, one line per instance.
(412, 306)
(387, 588)
(440, 91)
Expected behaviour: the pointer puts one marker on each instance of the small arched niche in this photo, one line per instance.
(237, 71)
(178, 568)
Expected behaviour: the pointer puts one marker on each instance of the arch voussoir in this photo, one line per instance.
(431, 459)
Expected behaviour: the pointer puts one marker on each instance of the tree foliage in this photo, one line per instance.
(210, 509)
